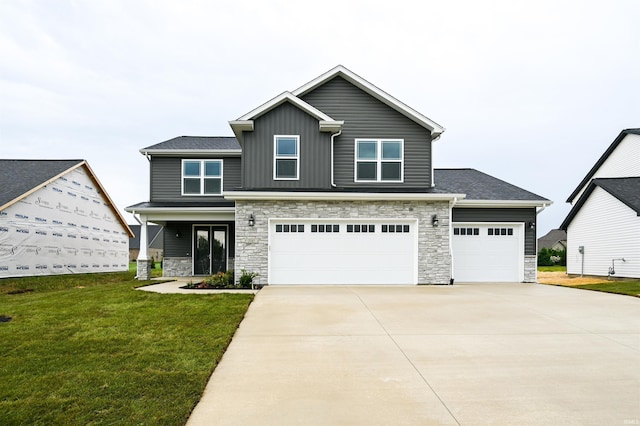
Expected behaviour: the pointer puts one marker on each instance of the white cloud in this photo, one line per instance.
(531, 92)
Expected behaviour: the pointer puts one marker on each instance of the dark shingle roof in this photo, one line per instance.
(18, 177)
(551, 238)
(197, 143)
(626, 189)
(601, 160)
(480, 186)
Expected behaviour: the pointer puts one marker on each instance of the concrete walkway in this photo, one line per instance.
(525, 354)
(174, 287)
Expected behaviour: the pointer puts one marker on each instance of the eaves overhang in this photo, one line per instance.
(503, 203)
(193, 152)
(246, 122)
(339, 196)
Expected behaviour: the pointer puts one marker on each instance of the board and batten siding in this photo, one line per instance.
(607, 229)
(166, 178)
(366, 117)
(258, 150)
(499, 216)
(624, 161)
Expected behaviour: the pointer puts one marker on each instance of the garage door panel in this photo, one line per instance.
(493, 253)
(343, 257)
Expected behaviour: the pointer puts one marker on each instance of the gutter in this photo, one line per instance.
(333, 136)
(451, 205)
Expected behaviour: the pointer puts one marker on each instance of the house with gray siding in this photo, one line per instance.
(334, 183)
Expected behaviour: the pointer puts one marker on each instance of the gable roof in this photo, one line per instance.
(482, 189)
(374, 91)
(552, 238)
(326, 123)
(626, 190)
(245, 123)
(21, 178)
(601, 161)
(195, 145)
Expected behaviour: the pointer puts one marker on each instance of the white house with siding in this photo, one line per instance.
(603, 226)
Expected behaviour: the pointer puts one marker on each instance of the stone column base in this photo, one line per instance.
(144, 269)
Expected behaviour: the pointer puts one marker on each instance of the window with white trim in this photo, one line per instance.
(379, 160)
(201, 177)
(286, 159)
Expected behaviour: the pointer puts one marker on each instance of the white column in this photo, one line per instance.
(144, 239)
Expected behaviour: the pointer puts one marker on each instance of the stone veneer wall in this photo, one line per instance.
(531, 269)
(434, 257)
(143, 270)
(177, 267)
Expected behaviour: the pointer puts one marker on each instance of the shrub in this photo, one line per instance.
(550, 257)
(246, 279)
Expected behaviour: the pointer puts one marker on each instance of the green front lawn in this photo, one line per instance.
(631, 288)
(555, 268)
(89, 349)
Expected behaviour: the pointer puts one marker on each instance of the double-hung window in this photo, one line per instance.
(201, 177)
(379, 160)
(286, 157)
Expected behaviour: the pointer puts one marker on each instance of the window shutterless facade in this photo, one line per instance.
(379, 160)
(201, 177)
(286, 158)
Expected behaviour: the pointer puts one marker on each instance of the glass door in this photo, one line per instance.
(210, 249)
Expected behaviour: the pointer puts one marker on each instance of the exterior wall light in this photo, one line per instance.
(532, 225)
(434, 220)
(252, 220)
(177, 235)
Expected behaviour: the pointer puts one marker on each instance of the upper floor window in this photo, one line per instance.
(201, 177)
(286, 157)
(379, 160)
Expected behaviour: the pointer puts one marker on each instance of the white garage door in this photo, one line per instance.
(486, 252)
(330, 251)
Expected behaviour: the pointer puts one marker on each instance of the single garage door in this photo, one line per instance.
(488, 252)
(330, 251)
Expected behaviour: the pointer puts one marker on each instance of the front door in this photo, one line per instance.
(210, 249)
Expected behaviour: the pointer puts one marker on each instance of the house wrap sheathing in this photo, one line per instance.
(64, 225)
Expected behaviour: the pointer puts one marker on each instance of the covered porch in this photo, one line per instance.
(198, 241)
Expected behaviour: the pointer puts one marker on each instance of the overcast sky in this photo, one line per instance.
(531, 92)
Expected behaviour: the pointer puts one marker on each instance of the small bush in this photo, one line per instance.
(550, 257)
(246, 279)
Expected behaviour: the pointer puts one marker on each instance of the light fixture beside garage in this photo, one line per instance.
(532, 225)
(434, 220)
(252, 220)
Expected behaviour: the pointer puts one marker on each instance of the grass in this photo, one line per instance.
(630, 288)
(555, 268)
(156, 272)
(88, 349)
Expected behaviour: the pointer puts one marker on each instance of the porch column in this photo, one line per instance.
(143, 262)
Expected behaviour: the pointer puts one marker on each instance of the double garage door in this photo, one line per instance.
(488, 252)
(330, 251)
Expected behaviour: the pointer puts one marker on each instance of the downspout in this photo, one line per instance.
(451, 204)
(333, 136)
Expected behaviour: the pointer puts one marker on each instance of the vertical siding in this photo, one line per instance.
(608, 230)
(502, 215)
(166, 178)
(258, 150)
(366, 117)
(624, 161)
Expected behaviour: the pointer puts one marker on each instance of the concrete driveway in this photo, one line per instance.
(526, 354)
